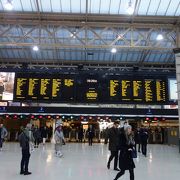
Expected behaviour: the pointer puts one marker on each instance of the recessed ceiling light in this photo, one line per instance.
(35, 48)
(8, 5)
(159, 37)
(113, 50)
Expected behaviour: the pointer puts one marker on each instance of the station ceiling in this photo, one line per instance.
(86, 31)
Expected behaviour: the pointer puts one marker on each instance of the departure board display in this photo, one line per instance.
(88, 88)
(68, 88)
(126, 89)
(91, 88)
(21, 88)
(160, 90)
(56, 88)
(149, 90)
(138, 93)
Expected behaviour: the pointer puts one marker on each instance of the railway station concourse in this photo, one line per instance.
(81, 66)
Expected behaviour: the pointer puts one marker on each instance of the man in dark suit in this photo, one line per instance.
(113, 136)
(144, 141)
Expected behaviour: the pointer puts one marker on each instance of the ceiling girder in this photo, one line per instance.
(89, 37)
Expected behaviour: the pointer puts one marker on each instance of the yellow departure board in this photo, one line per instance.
(69, 82)
(21, 84)
(44, 88)
(138, 90)
(91, 95)
(88, 88)
(33, 87)
(160, 91)
(56, 87)
(126, 88)
(113, 87)
(148, 87)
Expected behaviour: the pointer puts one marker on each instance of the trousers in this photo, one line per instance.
(119, 174)
(114, 154)
(144, 148)
(25, 160)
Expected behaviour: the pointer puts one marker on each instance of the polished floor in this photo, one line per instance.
(83, 162)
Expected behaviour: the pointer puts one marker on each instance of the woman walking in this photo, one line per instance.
(59, 138)
(125, 159)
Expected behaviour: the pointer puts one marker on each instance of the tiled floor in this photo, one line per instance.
(83, 162)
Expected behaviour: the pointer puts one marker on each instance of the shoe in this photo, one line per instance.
(27, 173)
(21, 172)
(108, 165)
(116, 169)
(60, 155)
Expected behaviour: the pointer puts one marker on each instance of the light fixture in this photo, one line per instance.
(8, 5)
(159, 37)
(113, 50)
(35, 48)
(130, 9)
(72, 35)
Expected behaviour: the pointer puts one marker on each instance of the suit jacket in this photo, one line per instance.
(113, 136)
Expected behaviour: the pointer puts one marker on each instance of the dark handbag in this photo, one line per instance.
(134, 153)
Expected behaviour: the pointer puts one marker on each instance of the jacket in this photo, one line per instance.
(3, 132)
(24, 141)
(113, 136)
(58, 137)
(125, 159)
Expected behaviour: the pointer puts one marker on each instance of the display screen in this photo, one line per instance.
(173, 95)
(87, 88)
(6, 85)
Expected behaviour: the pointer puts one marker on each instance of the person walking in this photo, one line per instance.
(80, 134)
(37, 136)
(44, 134)
(126, 159)
(137, 138)
(59, 139)
(113, 136)
(90, 132)
(144, 141)
(25, 138)
(3, 135)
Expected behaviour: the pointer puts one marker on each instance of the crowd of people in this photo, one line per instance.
(31, 136)
(123, 142)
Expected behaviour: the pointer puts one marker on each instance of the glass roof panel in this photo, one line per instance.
(114, 8)
(56, 6)
(46, 6)
(175, 5)
(104, 6)
(94, 6)
(65, 5)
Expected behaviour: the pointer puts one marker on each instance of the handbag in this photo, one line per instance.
(134, 153)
